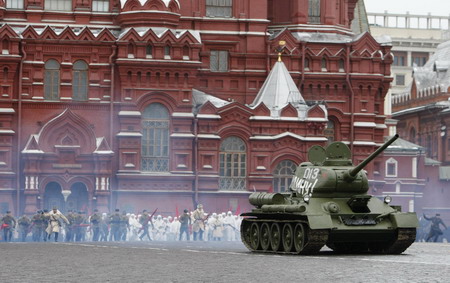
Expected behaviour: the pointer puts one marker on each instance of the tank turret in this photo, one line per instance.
(327, 204)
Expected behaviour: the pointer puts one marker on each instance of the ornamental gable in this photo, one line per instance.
(8, 32)
(208, 108)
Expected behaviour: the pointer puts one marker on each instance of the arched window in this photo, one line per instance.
(80, 81)
(233, 164)
(100, 5)
(314, 11)
(51, 80)
(219, 8)
(58, 5)
(155, 139)
(282, 176)
(14, 4)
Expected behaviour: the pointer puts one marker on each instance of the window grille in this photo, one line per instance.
(233, 165)
(219, 8)
(282, 176)
(155, 139)
(58, 5)
(80, 81)
(219, 61)
(314, 11)
(14, 4)
(100, 5)
(51, 80)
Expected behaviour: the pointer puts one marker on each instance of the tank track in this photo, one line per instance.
(315, 239)
(405, 238)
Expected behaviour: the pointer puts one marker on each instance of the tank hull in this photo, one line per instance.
(383, 230)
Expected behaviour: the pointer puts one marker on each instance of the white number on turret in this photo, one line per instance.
(306, 184)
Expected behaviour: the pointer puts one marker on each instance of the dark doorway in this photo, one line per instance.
(53, 197)
(78, 199)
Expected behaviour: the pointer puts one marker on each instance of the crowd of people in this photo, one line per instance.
(52, 225)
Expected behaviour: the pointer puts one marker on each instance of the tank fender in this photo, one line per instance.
(320, 221)
(404, 220)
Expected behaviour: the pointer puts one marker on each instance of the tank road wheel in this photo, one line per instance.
(245, 233)
(299, 237)
(288, 237)
(275, 237)
(254, 236)
(265, 236)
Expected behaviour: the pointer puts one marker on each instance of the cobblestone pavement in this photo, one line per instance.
(211, 262)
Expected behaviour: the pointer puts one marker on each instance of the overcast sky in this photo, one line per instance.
(418, 7)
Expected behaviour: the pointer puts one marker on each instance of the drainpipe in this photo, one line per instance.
(352, 103)
(19, 128)
(303, 63)
(111, 122)
(195, 159)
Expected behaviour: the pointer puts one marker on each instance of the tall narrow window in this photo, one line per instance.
(51, 80)
(58, 5)
(314, 11)
(219, 8)
(307, 64)
(5, 46)
(131, 50)
(167, 51)
(155, 139)
(324, 65)
(149, 51)
(80, 81)
(14, 4)
(186, 52)
(100, 5)
(329, 131)
(219, 61)
(282, 176)
(233, 165)
(341, 65)
(391, 167)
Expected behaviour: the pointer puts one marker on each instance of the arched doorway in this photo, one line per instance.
(53, 196)
(78, 199)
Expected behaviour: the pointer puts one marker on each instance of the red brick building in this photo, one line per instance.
(423, 114)
(168, 103)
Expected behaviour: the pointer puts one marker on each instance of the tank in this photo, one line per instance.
(327, 204)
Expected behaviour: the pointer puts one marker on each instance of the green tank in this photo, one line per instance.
(328, 204)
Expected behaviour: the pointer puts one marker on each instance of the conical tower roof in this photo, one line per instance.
(278, 90)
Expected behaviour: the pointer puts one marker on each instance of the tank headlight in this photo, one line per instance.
(306, 198)
(387, 199)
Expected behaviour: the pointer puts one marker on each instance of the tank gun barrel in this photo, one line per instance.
(352, 172)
